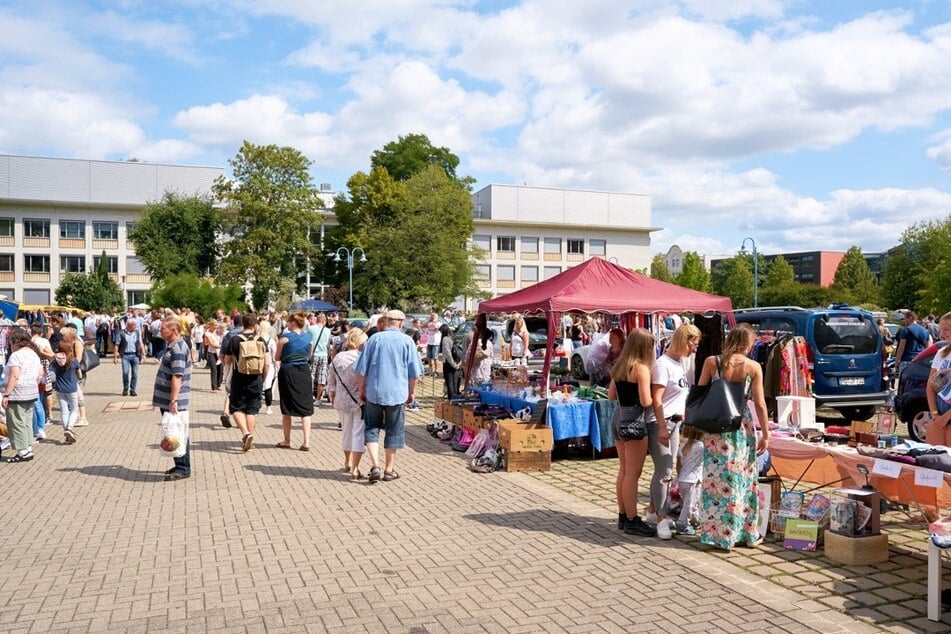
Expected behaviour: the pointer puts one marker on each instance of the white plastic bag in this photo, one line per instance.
(174, 435)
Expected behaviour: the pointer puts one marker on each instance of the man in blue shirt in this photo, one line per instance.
(173, 388)
(911, 340)
(388, 367)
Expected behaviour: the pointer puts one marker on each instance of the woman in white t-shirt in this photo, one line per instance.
(20, 391)
(669, 390)
(520, 341)
(938, 389)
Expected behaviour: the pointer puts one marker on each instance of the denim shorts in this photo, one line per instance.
(388, 418)
(432, 353)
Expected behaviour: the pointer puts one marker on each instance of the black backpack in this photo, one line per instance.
(458, 352)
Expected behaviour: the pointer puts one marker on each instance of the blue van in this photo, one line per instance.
(846, 354)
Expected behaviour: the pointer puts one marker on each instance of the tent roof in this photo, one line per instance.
(598, 285)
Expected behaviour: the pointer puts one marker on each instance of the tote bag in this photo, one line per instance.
(716, 408)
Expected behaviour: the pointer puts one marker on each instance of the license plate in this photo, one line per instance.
(852, 380)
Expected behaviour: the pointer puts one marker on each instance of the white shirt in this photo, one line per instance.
(670, 374)
(691, 462)
(942, 365)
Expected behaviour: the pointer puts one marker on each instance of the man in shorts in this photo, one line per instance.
(247, 390)
(388, 367)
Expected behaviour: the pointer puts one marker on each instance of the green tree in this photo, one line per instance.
(177, 234)
(414, 234)
(780, 287)
(199, 294)
(91, 291)
(411, 154)
(734, 279)
(659, 270)
(900, 279)
(271, 208)
(694, 274)
(854, 279)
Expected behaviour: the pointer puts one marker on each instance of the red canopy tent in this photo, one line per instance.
(601, 286)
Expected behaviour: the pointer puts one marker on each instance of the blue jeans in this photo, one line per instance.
(39, 417)
(69, 408)
(385, 417)
(130, 371)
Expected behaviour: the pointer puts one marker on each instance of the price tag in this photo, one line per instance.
(886, 468)
(929, 478)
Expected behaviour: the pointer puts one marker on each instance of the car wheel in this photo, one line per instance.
(858, 412)
(577, 368)
(918, 426)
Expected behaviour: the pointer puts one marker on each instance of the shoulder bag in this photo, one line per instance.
(630, 422)
(718, 407)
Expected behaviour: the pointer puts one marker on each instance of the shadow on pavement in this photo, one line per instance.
(591, 530)
(117, 471)
(296, 472)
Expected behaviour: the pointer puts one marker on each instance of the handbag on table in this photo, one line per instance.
(718, 407)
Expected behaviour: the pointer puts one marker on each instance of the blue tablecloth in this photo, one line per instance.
(567, 420)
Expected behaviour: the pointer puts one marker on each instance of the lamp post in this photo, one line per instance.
(613, 260)
(350, 253)
(755, 267)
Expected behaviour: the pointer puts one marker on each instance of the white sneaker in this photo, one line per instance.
(269, 411)
(82, 422)
(650, 518)
(665, 529)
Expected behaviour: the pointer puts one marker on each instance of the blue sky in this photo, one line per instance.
(804, 124)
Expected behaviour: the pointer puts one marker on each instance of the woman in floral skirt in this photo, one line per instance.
(729, 509)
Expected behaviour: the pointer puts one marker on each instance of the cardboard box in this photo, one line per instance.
(527, 460)
(515, 436)
(458, 414)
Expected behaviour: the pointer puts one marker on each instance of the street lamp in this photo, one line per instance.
(350, 253)
(613, 259)
(755, 267)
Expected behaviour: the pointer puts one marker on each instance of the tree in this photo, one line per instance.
(916, 272)
(899, 280)
(200, 295)
(734, 279)
(91, 291)
(177, 234)
(694, 274)
(659, 270)
(854, 279)
(271, 208)
(780, 287)
(414, 234)
(411, 154)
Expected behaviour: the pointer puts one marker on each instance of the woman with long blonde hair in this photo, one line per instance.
(630, 387)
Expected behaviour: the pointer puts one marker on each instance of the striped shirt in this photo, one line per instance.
(176, 361)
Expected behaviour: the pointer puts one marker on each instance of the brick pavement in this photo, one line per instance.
(280, 541)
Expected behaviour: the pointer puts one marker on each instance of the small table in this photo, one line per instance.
(934, 581)
(567, 420)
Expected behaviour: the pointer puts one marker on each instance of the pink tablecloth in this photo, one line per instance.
(833, 462)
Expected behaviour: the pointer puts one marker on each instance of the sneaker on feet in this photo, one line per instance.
(665, 529)
(132, 393)
(40, 435)
(650, 518)
(125, 392)
(637, 527)
(82, 422)
(269, 411)
(686, 530)
(70, 437)
(375, 474)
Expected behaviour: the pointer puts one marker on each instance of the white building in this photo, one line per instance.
(57, 216)
(529, 234)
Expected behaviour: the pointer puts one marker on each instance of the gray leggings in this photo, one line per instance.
(663, 459)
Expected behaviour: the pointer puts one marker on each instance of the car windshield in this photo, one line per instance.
(845, 334)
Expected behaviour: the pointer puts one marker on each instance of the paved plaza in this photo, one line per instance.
(279, 540)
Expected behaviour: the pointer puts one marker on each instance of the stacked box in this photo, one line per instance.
(527, 446)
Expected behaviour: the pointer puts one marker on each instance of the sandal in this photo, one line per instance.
(304, 448)
(389, 476)
(283, 445)
(248, 442)
(356, 476)
(374, 475)
(21, 457)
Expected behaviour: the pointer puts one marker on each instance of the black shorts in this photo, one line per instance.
(244, 401)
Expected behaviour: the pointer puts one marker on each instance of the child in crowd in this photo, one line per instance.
(67, 373)
(689, 478)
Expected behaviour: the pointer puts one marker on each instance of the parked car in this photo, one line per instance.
(910, 401)
(846, 355)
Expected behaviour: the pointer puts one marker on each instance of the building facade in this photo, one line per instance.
(528, 234)
(58, 216)
(809, 267)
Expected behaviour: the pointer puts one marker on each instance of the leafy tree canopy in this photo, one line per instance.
(177, 234)
(91, 291)
(694, 274)
(271, 208)
(659, 270)
(413, 153)
(854, 279)
(734, 279)
(917, 272)
(200, 295)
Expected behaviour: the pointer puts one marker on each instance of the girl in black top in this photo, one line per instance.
(630, 386)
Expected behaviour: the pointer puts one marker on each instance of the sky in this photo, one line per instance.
(804, 125)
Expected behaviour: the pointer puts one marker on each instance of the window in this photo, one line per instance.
(598, 247)
(482, 242)
(132, 265)
(552, 245)
(552, 271)
(6, 227)
(105, 230)
(529, 245)
(505, 273)
(6, 264)
(529, 273)
(575, 247)
(482, 272)
(36, 263)
(72, 229)
(112, 263)
(505, 244)
(33, 228)
(135, 297)
(72, 263)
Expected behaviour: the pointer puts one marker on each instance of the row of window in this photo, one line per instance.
(67, 263)
(506, 272)
(528, 244)
(40, 228)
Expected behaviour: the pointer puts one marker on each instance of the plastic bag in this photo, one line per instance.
(174, 436)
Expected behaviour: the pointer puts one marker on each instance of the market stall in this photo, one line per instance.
(599, 286)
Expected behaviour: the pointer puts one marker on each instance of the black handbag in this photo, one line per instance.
(718, 407)
(89, 361)
(630, 422)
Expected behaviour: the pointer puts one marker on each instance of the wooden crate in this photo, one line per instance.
(458, 415)
(517, 436)
(527, 460)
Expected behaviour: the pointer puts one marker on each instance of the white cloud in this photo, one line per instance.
(941, 153)
(170, 39)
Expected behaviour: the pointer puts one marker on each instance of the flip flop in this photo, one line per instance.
(281, 445)
(356, 476)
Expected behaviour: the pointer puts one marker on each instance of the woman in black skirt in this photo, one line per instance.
(294, 382)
